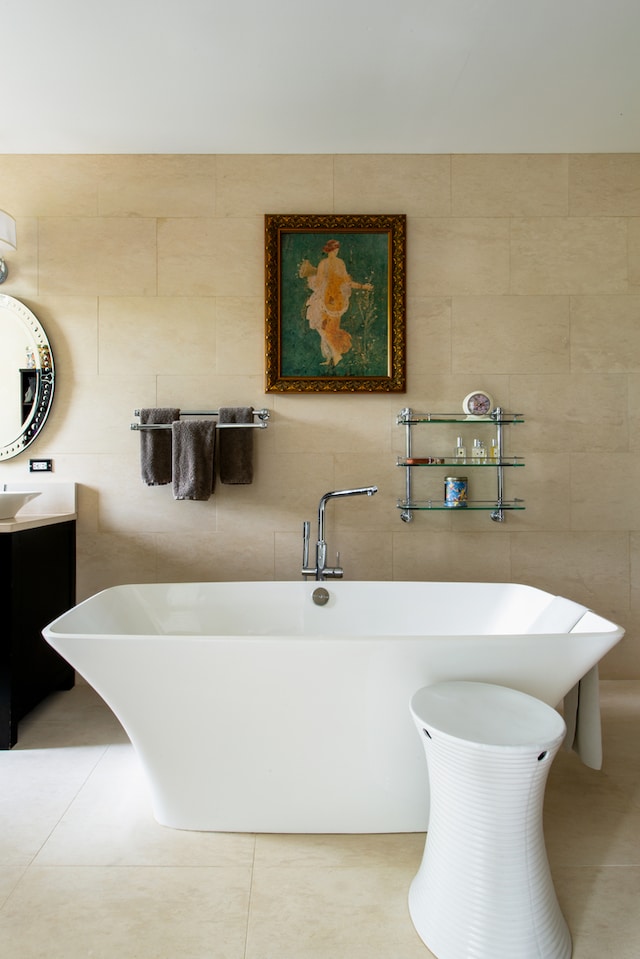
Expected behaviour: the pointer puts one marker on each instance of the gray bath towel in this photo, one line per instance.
(582, 719)
(193, 456)
(155, 446)
(236, 446)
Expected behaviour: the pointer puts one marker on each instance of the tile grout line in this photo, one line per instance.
(246, 932)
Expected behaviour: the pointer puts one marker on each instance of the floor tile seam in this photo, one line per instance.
(209, 867)
(597, 866)
(70, 803)
(567, 863)
(13, 890)
(245, 950)
(343, 867)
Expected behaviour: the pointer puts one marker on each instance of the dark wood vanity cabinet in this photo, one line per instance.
(37, 583)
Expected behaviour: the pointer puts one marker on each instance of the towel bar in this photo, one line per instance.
(263, 416)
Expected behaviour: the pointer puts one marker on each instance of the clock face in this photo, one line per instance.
(477, 403)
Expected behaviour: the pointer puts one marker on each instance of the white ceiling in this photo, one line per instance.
(330, 76)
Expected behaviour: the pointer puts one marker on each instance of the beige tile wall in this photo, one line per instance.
(523, 278)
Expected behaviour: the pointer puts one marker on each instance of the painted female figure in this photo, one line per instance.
(331, 288)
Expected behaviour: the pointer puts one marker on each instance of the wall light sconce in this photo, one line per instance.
(7, 241)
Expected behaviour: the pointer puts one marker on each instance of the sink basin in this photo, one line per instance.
(11, 502)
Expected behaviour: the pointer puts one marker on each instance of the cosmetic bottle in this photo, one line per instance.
(494, 452)
(479, 451)
(460, 451)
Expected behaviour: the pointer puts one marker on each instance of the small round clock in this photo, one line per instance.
(477, 403)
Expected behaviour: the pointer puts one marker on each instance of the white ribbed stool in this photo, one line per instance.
(484, 889)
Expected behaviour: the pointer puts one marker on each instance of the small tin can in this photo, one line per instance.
(455, 491)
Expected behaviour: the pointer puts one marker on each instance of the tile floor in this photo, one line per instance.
(86, 871)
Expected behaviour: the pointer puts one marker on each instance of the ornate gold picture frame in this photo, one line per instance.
(335, 303)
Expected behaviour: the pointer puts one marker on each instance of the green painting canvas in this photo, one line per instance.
(334, 308)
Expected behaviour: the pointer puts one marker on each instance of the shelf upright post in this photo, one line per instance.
(497, 515)
(407, 514)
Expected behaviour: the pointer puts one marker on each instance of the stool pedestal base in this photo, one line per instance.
(484, 889)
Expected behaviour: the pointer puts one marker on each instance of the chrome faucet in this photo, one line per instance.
(321, 571)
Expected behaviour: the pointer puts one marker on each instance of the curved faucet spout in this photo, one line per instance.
(321, 570)
(359, 491)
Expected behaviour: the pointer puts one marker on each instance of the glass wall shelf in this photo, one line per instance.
(458, 463)
(471, 505)
(498, 416)
(495, 458)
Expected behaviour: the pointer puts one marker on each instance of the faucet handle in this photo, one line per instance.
(334, 572)
(306, 535)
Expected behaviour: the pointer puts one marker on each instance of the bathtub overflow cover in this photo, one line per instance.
(320, 596)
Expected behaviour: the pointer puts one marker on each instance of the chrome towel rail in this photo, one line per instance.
(262, 416)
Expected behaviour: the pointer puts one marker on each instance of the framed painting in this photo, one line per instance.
(335, 303)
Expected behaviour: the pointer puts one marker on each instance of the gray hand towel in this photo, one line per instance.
(193, 456)
(236, 446)
(155, 446)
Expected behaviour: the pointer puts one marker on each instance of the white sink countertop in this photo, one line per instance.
(56, 504)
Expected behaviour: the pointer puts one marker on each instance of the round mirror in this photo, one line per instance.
(26, 377)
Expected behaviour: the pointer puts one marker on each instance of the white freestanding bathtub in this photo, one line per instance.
(254, 710)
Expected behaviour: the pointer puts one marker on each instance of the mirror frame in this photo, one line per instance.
(45, 374)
